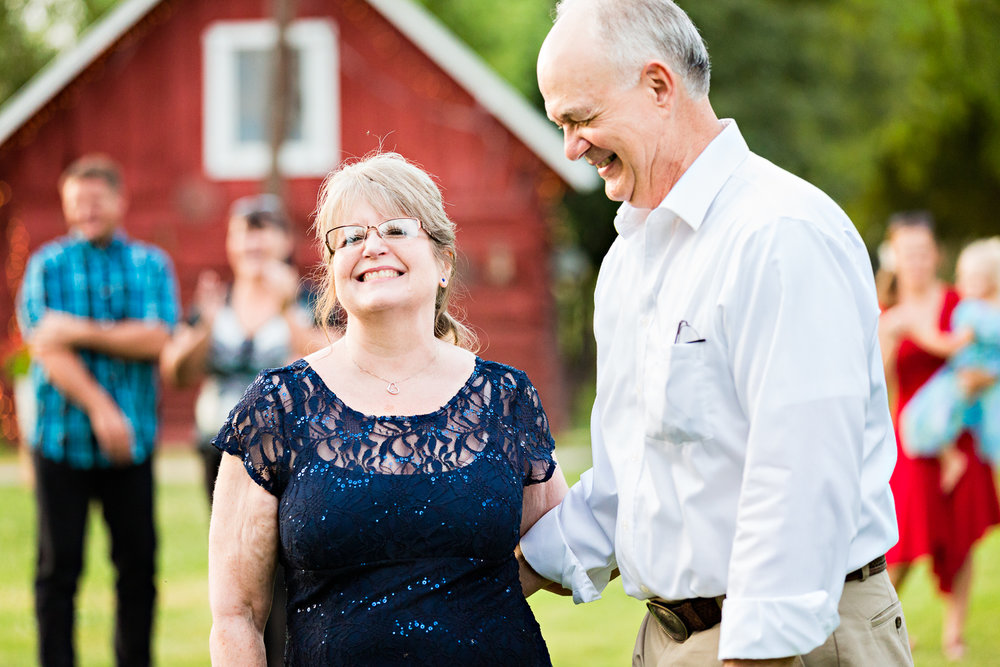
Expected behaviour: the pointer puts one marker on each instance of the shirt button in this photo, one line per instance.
(645, 589)
(644, 321)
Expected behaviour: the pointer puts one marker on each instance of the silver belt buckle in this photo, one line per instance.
(667, 619)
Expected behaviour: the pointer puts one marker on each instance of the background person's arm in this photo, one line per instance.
(67, 373)
(185, 355)
(242, 554)
(126, 339)
(942, 343)
(891, 326)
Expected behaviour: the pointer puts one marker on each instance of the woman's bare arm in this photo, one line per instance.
(539, 499)
(890, 331)
(942, 343)
(242, 553)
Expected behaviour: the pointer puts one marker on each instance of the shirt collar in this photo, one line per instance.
(118, 239)
(693, 194)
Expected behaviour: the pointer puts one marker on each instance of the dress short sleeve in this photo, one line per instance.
(531, 428)
(255, 431)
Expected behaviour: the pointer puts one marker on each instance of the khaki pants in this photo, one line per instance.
(872, 631)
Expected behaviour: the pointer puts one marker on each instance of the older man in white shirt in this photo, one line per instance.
(742, 443)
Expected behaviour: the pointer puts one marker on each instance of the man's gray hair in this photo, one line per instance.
(635, 31)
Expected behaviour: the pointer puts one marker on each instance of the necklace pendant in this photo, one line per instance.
(392, 388)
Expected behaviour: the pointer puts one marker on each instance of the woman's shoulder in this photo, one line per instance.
(514, 382)
(292, 372)
(282, 381)
(506, 374)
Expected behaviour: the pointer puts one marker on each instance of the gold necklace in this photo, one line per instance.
(392, 386)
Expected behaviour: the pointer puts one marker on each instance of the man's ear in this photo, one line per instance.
(661, 82)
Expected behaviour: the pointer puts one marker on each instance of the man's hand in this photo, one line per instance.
(531, 581)
(111, 429)
(974, 381)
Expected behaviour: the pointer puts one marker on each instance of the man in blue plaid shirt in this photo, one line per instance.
(96, 307)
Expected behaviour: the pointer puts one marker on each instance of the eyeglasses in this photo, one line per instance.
(347, 236)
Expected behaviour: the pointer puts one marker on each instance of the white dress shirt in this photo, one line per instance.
(747, 451)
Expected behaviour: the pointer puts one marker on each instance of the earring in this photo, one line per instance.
(444, 282)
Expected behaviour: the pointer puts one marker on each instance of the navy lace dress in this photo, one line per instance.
(397, 533)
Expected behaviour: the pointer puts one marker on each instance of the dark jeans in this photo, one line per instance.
(274, 631)
(126, 496)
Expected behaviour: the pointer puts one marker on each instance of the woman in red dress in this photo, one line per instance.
(944, 523)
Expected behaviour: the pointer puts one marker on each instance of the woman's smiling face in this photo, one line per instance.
(377, 275)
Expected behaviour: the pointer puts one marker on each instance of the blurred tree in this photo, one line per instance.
(23, 52)
(940, 148)
(33, 31)
(882, 106)
(808, 81)
(506, 36)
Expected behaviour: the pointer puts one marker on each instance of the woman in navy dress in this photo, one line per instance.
(391, 473)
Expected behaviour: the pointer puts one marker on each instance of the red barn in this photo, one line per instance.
(171, 89)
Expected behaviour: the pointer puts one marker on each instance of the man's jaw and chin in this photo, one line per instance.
(100, 237)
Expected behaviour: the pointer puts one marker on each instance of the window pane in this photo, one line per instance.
(253, 86)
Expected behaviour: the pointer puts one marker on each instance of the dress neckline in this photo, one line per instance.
(476, 372)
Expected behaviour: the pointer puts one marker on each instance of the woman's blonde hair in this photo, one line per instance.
(394, 187)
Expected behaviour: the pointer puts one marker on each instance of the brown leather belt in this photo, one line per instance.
(862, 573)
(682, 618)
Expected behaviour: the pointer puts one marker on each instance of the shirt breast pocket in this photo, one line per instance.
(679, 410)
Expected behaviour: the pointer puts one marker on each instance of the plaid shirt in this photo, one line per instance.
(125, 280)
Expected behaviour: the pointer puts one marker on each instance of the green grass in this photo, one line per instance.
(601, 633)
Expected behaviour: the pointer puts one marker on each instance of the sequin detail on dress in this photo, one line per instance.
(397, 533)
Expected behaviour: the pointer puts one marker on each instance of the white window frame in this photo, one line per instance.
(227, 158)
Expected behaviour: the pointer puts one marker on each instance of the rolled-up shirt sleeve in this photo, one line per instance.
(163, 306)
(31, 301)
(573, 544)
(798, 338)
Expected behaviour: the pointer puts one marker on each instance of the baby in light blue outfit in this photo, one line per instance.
(941, 409)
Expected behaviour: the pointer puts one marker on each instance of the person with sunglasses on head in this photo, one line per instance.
(392, 472)
(260, 320)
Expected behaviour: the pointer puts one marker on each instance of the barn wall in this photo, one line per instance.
(141, 103)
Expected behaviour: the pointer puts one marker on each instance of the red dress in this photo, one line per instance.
(944, 526)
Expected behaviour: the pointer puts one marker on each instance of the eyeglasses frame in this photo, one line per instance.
(368, 228)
